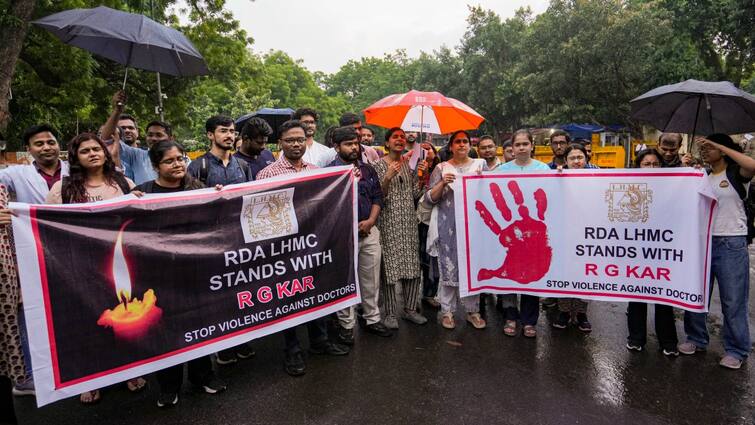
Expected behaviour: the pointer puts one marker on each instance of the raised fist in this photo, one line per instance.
(528, 255)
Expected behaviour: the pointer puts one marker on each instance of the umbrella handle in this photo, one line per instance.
(125, 77)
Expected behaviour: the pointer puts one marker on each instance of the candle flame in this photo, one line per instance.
(121, 276)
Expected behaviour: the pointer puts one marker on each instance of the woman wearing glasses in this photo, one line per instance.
(169, 160)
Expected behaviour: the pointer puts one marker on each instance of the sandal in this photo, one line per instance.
(447, 321)
(530, 331)
(476, 320)
(137, 384)
(509, 329)
(90, 397)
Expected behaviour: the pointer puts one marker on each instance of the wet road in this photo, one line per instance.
(428, 375)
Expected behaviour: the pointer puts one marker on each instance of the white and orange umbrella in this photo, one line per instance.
(425, 112)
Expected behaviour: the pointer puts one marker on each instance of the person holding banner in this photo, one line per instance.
(730, 174)
(522, 144)
(14, 360)
(292, 141)
(168, 160)
(665, 326)
(573, 309)
(399, 236)
(31, 184)
(92, 177)
(441, 194)
(346, 144)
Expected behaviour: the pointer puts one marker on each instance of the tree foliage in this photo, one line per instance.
(580, 60)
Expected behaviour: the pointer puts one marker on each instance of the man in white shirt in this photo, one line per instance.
(316, 153)
(31, 183)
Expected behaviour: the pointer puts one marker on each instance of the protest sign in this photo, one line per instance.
(628, 235)
(118, 289)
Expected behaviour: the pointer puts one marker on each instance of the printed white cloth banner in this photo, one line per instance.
(615, 235)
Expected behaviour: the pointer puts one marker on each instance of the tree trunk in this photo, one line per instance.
(12, 33)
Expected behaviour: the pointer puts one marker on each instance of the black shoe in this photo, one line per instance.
(226, 357)
(294, 364)
(549, 302)
(346, 336)
(167, 399)
(214, 386)
(244, 351)
(582, 323)
(562, 321)
(331, 349)
(378, 329)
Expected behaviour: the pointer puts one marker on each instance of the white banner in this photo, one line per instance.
(614, 235)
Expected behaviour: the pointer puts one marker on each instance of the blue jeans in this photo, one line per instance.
(730, 266)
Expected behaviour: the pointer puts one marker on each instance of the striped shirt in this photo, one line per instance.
(282, 166)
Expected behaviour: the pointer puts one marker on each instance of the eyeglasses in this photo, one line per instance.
(294, 140)
(172, 161)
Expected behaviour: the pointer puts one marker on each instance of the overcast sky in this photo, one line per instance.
(326, 34)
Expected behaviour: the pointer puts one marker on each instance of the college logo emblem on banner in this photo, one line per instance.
(268, 215)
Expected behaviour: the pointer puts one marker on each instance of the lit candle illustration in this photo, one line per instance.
(132, 317)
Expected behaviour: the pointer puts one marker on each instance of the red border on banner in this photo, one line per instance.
(241, 187)
(46, 296)
(603, 294)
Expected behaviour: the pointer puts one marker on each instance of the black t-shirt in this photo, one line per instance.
(153, 187)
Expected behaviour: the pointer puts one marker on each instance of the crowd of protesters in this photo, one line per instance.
(407, 259)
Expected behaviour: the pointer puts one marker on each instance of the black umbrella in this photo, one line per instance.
(132, 40)
(274, 117)
(697, 107)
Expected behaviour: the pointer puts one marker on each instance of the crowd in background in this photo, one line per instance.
(407, 259)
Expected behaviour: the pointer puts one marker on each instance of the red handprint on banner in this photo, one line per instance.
(528, 255)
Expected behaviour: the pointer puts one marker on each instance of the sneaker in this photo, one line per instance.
(582, 323)
(730, 362)
(378, 329)
(244, 351)
(226, 357)
(670, 352)
(390, 322)
(414, 317)
(167, 399)
(214, 386)
(549, 302)
(294, 364)
(689, 348)
(562, 321)
(24, 389)
(330, 348)
(634, 347)
(346, 336)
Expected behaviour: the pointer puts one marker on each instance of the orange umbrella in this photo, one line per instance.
(426, 112)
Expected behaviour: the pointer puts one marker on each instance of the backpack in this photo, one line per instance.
(747, 201)
(120, 180)
(204, 168)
